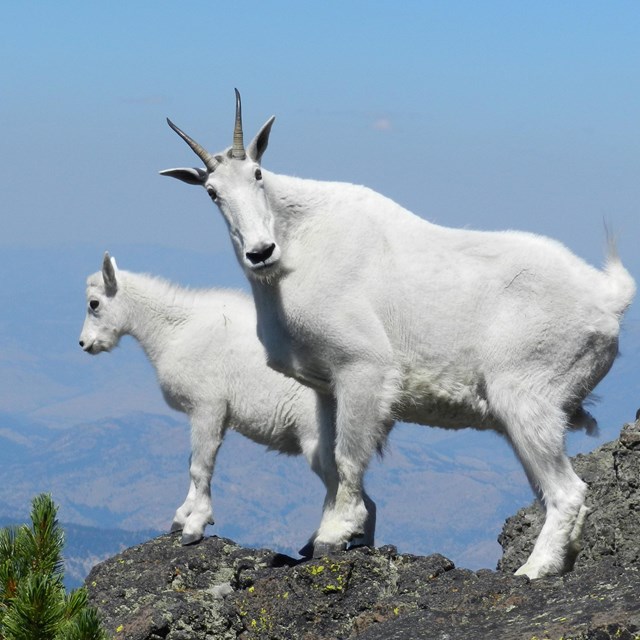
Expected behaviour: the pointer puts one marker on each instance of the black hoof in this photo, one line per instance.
(176, 526)
(307, 550)
(322, 549)
(359, 542)
(190, 538)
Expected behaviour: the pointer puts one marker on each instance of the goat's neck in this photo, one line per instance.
(154, 312)
(291, 199)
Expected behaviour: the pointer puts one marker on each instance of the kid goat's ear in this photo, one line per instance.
(109, 274)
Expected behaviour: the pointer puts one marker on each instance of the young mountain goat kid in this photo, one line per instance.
(392, 317)
(211, 366)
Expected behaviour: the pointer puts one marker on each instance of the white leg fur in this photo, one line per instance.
(183, 511)
(536, 431)
(197, 511)
(364, 395)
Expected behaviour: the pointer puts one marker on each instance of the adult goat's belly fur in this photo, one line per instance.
(442, 399)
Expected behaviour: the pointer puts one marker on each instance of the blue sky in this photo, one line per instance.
(485, 115)
(488, 115)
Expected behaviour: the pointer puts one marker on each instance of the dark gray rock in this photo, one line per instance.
(463, 605)
(161, 589)
(218, 590)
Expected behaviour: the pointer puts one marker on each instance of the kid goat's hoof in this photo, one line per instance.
(190, 538)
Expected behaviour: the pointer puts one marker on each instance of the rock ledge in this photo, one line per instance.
(219, 590)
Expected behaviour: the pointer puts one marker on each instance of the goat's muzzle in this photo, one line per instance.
(87, 348)
(261, 255)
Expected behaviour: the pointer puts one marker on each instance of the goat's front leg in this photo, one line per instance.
(319, 452)
(318, 449)
(207, 431)
(364, 394)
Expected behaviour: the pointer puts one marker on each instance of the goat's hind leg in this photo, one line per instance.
(536, 431)
(318, 450)
(185, 509)
(369, 535)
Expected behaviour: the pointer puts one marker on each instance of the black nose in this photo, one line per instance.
(261, 256)
(81, 343)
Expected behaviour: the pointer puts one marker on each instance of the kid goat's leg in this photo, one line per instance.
(207, 430)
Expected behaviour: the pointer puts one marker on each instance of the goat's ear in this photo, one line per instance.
(109, 274)
(259, 144)
(190, 176)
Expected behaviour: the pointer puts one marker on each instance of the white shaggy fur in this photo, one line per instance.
(211, 366)
(395, 318)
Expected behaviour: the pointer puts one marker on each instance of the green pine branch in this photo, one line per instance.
(33, 600)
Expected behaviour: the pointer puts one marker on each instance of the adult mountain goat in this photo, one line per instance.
(211, 366)
(394, 318)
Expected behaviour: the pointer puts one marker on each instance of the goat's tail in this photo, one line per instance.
(622, 286)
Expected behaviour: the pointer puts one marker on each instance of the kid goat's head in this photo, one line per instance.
(105, 320)
(233, 180)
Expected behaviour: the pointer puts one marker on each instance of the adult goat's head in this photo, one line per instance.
(233, 180)
(104, 322)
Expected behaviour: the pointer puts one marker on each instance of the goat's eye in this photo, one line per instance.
(94, 304)
(212, 193)
(258, 174)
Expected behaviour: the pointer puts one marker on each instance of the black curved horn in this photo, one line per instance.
(209, 161)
